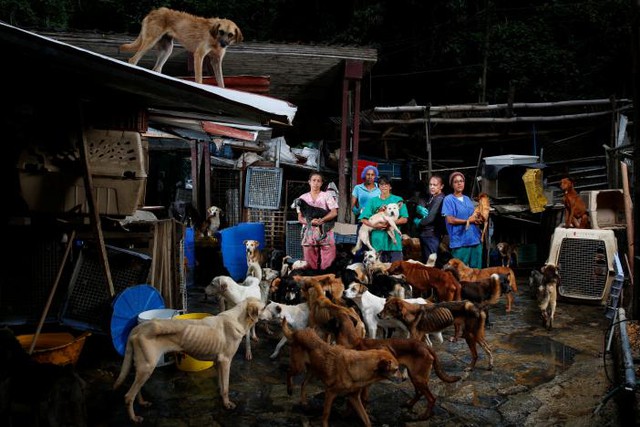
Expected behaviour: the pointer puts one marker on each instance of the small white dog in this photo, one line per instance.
(297, 317)
(389, 215)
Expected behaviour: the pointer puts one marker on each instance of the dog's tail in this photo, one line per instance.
(126, 364)
(131, 47)
(438, 368)
(286, 330)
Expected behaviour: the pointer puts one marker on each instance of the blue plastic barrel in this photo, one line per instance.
(190, 254)
(234, 256)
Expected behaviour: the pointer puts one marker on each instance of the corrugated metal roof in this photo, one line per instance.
(55, 65)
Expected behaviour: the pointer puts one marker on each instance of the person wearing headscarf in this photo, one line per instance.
(465, 243)
(365, 191)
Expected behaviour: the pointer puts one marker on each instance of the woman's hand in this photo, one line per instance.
(473, 219)
(317, 221)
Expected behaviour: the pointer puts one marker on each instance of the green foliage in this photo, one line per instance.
(433, 51)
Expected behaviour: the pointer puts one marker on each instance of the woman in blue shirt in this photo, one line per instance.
(465, 243)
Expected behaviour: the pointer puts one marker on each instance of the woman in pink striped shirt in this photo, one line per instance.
(319, 254)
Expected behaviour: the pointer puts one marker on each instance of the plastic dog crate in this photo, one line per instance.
(586, 262)
(51, 181)
(263, 188)
(294, 240)
(605, 207)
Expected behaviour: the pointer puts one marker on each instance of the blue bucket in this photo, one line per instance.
(234, 256)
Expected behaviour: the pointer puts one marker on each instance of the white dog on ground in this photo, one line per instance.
(297, 317)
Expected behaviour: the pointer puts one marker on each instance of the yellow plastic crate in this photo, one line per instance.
(535, 191)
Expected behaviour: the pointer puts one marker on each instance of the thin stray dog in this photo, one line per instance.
(422, 319)
(575, 210)
(417, 357)
(481, 212)
(200, 36)
(341, 370)
(213, 338)
(389, 215)
(548, 294)
(469, 274)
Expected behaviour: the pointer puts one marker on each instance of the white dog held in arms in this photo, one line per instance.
(389, 215)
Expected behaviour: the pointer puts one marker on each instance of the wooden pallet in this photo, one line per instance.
(274, 225)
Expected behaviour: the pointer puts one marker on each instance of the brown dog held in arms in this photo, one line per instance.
(341, 370)
(422, 319)
(200, 36)
(481, 212)
(426, 279)
(548, 294)
(575, 211)
(213, 338)
(418, 357)
(469, 274)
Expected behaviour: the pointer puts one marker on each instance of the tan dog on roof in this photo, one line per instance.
(200, 36)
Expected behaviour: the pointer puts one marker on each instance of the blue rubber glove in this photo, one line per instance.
(422, 211)
(356, 211)
(416, 221)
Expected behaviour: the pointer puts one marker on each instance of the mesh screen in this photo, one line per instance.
(294, 240)
(583, 268)
(88, 305)
(263, 188)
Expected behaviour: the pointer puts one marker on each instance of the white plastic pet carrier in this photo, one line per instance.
(586, 260)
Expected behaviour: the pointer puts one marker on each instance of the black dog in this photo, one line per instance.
(311, 212)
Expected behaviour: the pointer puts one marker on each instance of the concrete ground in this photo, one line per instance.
(540, 378)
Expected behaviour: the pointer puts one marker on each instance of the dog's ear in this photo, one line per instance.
(245, 242)
(253, 311)
(214, 29)
(239, 37)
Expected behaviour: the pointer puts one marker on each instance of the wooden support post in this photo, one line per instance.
(91, 203)
(53, 290)
(194, 174)
(207, 175)
(628, 211)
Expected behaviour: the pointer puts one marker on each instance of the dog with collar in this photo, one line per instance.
(389, 215)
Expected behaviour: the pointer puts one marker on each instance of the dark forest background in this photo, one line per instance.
(434, 52)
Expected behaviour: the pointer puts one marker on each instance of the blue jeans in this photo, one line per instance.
(390, 256)
(429, 245)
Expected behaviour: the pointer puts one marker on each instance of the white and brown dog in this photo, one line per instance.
(212, 222)
(548, 294)
(389, 215)
(297, 317)
(254, 253)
